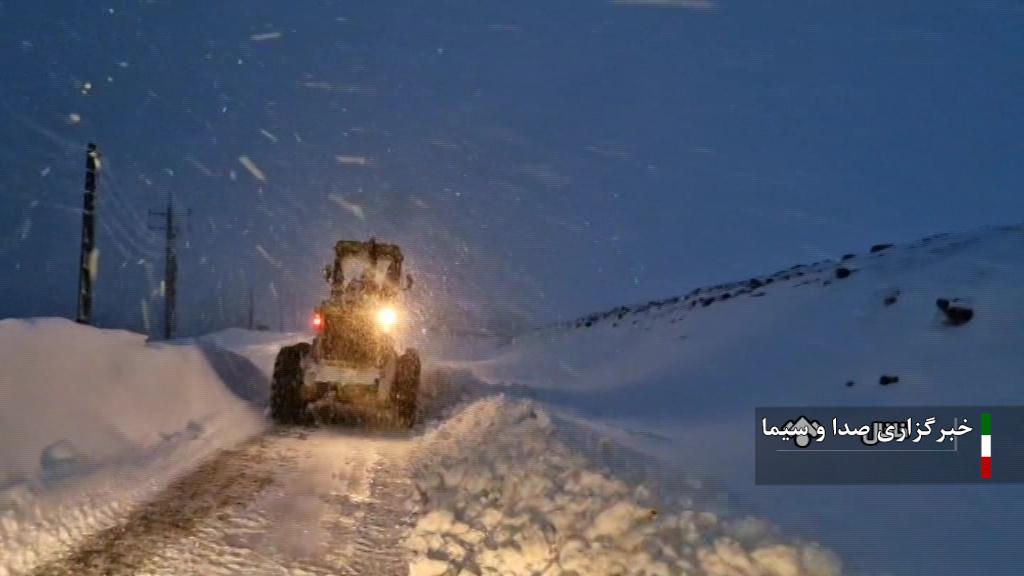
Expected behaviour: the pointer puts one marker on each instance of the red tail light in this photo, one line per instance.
(318, 322)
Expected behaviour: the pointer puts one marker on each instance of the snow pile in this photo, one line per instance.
(504, 494)
(92, 421)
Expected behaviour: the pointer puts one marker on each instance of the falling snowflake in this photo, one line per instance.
(252, 168)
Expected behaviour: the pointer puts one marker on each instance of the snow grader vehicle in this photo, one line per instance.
(351, 373)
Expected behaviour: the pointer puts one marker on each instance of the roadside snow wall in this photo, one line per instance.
(94, 420)
(98, 393)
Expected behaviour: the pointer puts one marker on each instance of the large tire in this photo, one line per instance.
(286, 405)
(406, 388)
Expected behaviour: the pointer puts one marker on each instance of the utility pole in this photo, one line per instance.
(280, 313)
(88, 262)
(170, 287)
(252, 311)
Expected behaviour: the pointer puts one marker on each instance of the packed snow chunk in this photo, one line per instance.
(427, 567)
(728, 558)
(436, 521)
(618, 519)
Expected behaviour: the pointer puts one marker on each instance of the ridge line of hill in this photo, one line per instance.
(755, 286)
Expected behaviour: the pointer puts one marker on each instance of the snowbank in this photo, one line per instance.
(258, 347)
(92, 421)
(244, 359)
(504, 494)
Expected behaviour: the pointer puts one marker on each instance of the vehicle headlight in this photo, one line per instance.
(387, 317)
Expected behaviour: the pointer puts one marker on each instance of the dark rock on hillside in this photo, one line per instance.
(887, 379)
(956, 315)
(843, 272)
(880, 247)
(847, 257)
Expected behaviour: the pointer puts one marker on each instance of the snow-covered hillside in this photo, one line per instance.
(679, 378)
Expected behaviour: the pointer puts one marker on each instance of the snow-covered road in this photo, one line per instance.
(288, 502)
(497, 486)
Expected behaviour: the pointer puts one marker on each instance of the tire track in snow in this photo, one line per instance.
(379, 533)
(218, 484)
(322, 502)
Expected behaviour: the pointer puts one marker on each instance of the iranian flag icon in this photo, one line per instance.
(986, 445)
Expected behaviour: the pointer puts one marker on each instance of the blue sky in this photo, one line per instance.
(538, 160)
